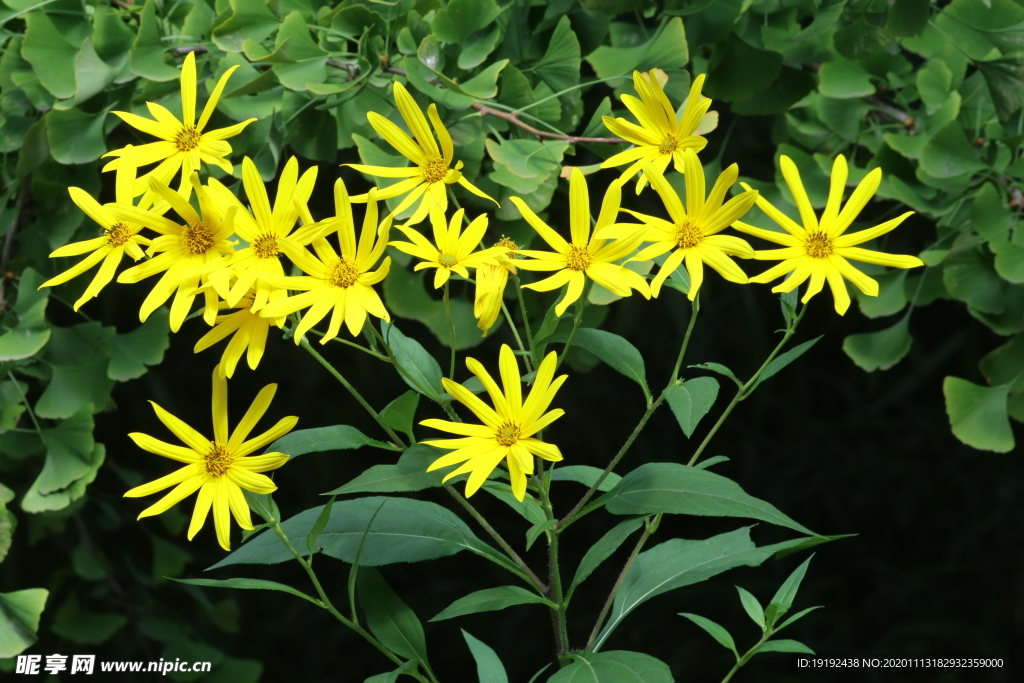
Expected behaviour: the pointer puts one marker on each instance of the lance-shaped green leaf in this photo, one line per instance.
(672, 488)
(396, 626)
(586, 475)
(614, 666)
(785, 646)
(751, 606)
(248, 584)
(319, 439)
(677, 563)
(782, 360)
(489, 668)
(400, 413)
(408, 474)
(603, 549)
(404, 530)
(490, 600)
(786, 594)
(713, 629)
(418, 368)
(614, 350)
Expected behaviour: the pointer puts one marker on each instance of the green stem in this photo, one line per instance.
(555, 579)
(569, 518)
(746, 657)
(526, 318)
(397, 440)
(649, 528)
(326, 602)
(519, 341)
(492, 532)
(749, 387)
(686, 340)
(24, 400)
(580, 304)
(451, 329)
(398, 366)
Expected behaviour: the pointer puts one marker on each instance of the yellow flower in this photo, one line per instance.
(266, 231)
(583, 257)
(248, 331)
(508, 428)
(692, 234)
(183, 144)
(218, 469)
(661, 137)
(431, 174)
(119, 237)
(490, 286)
(451, 252)
(819, 250)
(342, 283)
(186, 252)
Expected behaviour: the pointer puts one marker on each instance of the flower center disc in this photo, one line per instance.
(668, 145)
(689, 235)
(578, 258)
(197, 239)
(507, 434)
(819, 245)
(117, 234)
(187, 139)
(508, 244)
(218, 460)
(344, 274)
(435, 170)
(447, 260)
(265, 246)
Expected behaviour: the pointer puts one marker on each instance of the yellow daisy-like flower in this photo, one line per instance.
(248, 331)
(451, 252)
(342, 283)
(660, 137)
(218, 469)
(585, 256)
(266, 231)
(508, 428)
(119, 237)
(818, 249)
(183, 143)
(490, 286)
(185, 252)
(692, 234)
(431, 175)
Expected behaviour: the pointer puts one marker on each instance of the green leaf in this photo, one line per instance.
(74, 136)
(603, 549)
(20, 612)
(52, 57)
(1005, 79)
(404, 530)
(978, 414)
(739, 72)
(752, 607)
(318, 526)
(892, 295)
(524, 165)
(80, 625)
(691, 401)
(614, 350)
(844, 79)
(704, 464)
(989, 217)
(613, 666)
(822, 20)
(39, 498)
(147, 58)
(969, 276)
(28, 337)
(475, 49)
(949, 154)
(248, 584)
(934, 83)
(1009, 262)
(249, 20)
(667, 50)
(784, 597)
(560, 65)
(908, 17)
(1005, 364)
(489, 668)
(396, 626)
(784, 359)
(69, 448)
(586, 475)
(130, 353)
(309, 62)
(8, 522)
(784, 646)
(796, 616)
(490, 600)
(720, 369)
(860, 39)
(714, 630)
(409, 474)
(879, 350)
(400, 413)
(92, 75)
(454, 22)
(678, 562)
(672, 488)
(319, 439)
(419, 369)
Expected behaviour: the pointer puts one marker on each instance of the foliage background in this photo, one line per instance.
(932, 93)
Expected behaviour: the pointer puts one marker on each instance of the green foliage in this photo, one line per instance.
(614, 666)
(489, 600)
